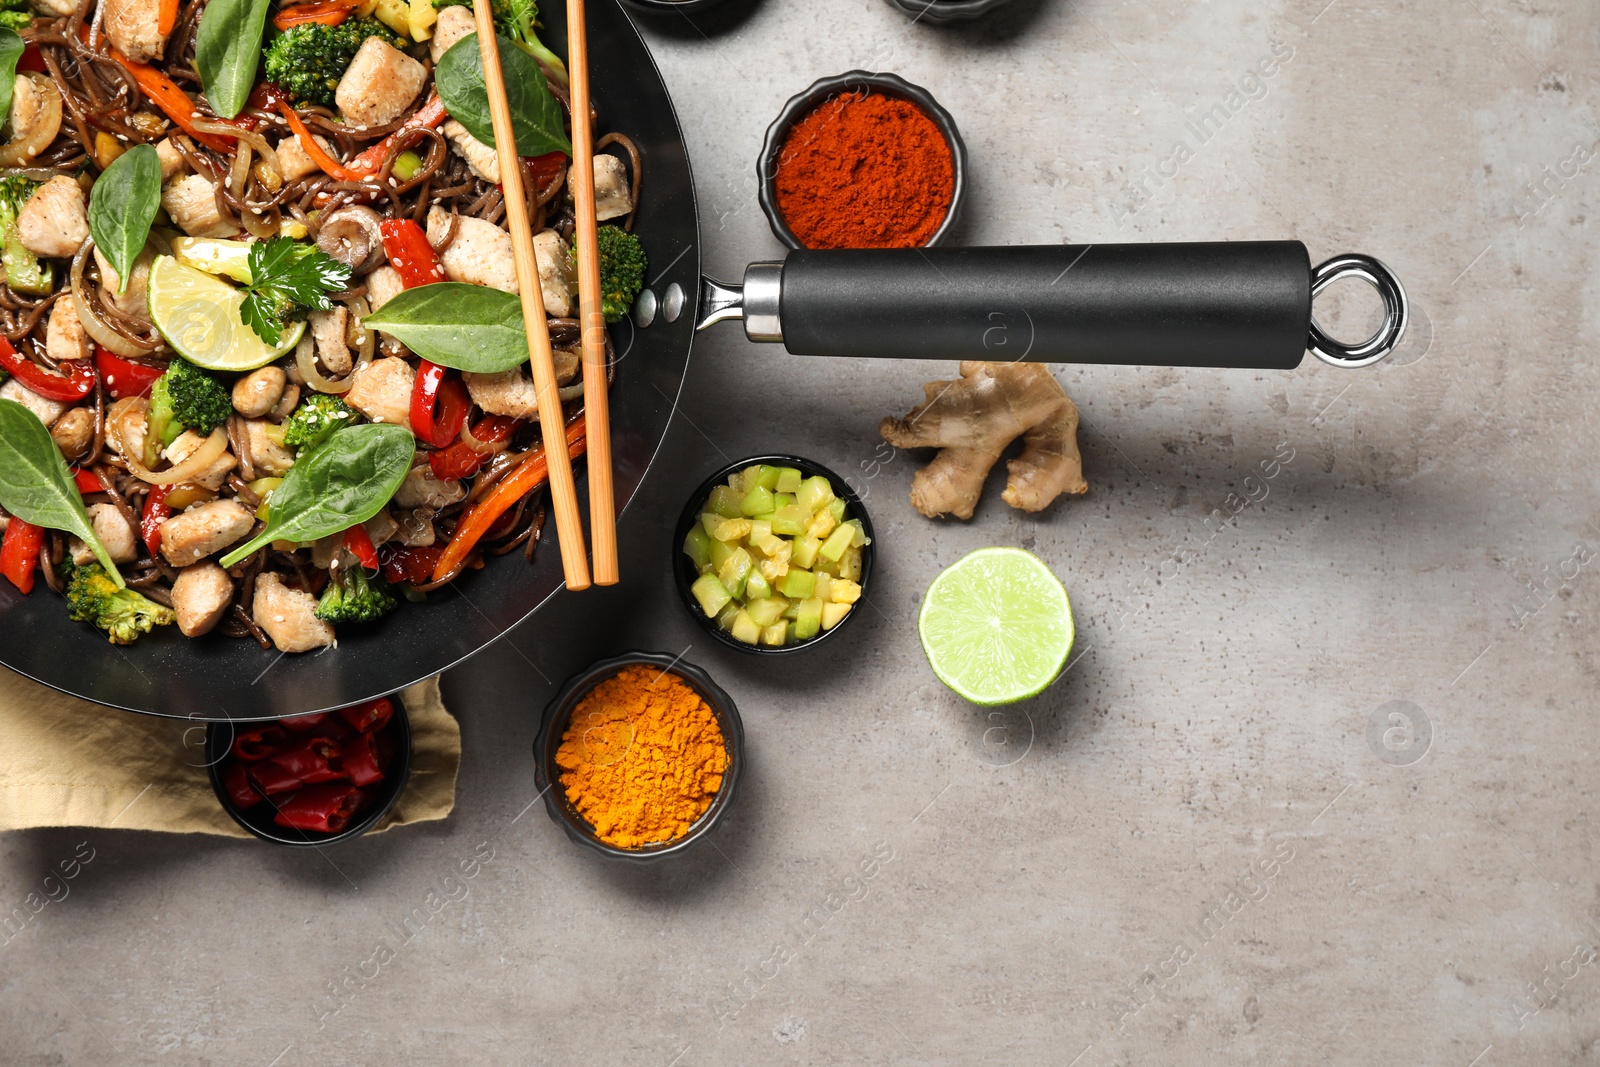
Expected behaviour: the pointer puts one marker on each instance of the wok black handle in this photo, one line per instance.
(1243, 305)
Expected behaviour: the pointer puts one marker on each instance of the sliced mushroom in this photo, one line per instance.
(351, 236)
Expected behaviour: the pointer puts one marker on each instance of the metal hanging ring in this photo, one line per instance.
(1395, 312)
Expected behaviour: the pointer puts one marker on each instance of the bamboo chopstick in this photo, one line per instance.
(596, 404)
(563, 491)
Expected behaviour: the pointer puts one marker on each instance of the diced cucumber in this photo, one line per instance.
(757, 501)
(809, 620)
(789, 521)
(860, 537)
(767, 478)
(805, 551)
(822, 586)
(788, 480)
(844, 591)
(792, 612)
(749, 478)
(768, 611)
(823, 565)
(789, 627)
(833, 615)
(720, 551)
(837, 542)
(735, 570)
(756, 586)
(697, 545)
(744, 629)
(850, 565)
(725, 502)
(776, 635)
(770, 544)
(783, 500)
(726, 616)
(814, 493)
(760, 529)
(731, 529)
(736, 482)
(711, 593)
(709, 521)
(797, 584)
(836, 509)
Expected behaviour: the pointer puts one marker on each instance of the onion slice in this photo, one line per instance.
(103, 334)
(38, 134)
(208, 453)
(305, 361)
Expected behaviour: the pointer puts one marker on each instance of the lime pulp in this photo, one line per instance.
(198, 314)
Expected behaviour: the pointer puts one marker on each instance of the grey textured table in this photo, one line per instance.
(1216, 839)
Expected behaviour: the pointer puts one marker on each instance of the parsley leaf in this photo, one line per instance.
(288, 279)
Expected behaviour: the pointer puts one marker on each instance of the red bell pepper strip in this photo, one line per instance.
(543, 168)
(87, 481)
(236, 783)
(439, 405)
(410, 566)
(370, 717)
(156, 512)
(32, 60)
(123, 377)
(19, 553)
(258, 744)
(327, 12)
(325, 808)
(507, 491)
(461, 460)
(359, 542)
(410, 253)
(74, 383)
(429, 116)
(359, 758)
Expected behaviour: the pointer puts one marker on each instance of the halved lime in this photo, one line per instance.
(198, 314)
(996, 625)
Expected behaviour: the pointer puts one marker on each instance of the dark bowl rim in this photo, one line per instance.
(400, 772)
(948, 10)
(690, 515)
(565, 701)
(803, 102)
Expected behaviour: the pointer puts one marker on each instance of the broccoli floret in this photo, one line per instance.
(23, 271)
(123, 614)
(307, 60)
(15, 15)
(622, 264)
(186, 397)
(314, 421)
(518, 21)
(352, 596)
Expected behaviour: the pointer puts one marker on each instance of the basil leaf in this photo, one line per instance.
(468, 327)
(35, 484)
(11, 47)
(123, 204)
(227, 48)
(535, 115)
(346, 480)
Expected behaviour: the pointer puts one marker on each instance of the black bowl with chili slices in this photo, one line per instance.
(312, 779)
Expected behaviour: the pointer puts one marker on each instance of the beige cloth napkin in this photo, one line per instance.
(67, 762)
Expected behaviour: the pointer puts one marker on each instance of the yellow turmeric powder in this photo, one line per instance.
(642, 757)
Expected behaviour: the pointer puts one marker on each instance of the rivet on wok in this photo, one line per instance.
(644, 308)
(672, 303)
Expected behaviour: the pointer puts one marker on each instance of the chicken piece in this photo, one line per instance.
(120, 539)
(557, 276)
(415, 528)
(422, 489)
(54, 8)
(133, 26)
(454, 23)
(47, 410)
(270, 458)
(259, 392)
(172, 161)
(328, 330)
(380, 528)
(481, 159)
(73, 433)
(379, 84)
(384, 284)
(200, 596)
(382, 391)
(134, 301)
(55, 220)
(64, 337)
(613, 196)
(289, 615)
(192, 203)
(480, 254)
(184, 445)
(294, 162)
(193, 535)
(512, 393)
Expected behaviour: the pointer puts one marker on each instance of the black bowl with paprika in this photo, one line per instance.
(862, 160)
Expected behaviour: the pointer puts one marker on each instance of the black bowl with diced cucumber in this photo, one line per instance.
(773, 554)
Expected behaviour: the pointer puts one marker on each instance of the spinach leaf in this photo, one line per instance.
(227, 48)
(123, 204)
(10, 51)
(535, 115)
(346, 480)
(35, 484)
(453, 324)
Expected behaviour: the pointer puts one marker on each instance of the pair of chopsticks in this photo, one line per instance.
(597, 423)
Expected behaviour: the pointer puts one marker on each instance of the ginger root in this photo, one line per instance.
(973, 419)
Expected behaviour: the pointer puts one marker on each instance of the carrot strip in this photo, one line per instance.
(429, 115)
(163, 92)
(330, 166)
(166, 17)
(510, 489)
(327, 12)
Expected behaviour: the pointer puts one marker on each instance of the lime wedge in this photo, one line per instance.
(198, 314)
(996, 625)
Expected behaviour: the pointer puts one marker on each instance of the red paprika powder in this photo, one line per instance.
(865, 170)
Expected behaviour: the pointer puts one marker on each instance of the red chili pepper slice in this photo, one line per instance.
(323, 724)
(309, 763)
(69, 387)
(439, 405)
(428, 116)
(156, 512)
(19, 553)
(124, 377)
(359, 542)
(327, 12)
(461, 460)
(409, 566)
(326, 808)
(359, 758)
(409, 252)
(258, 744)
(370, 717)
(236, 783)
